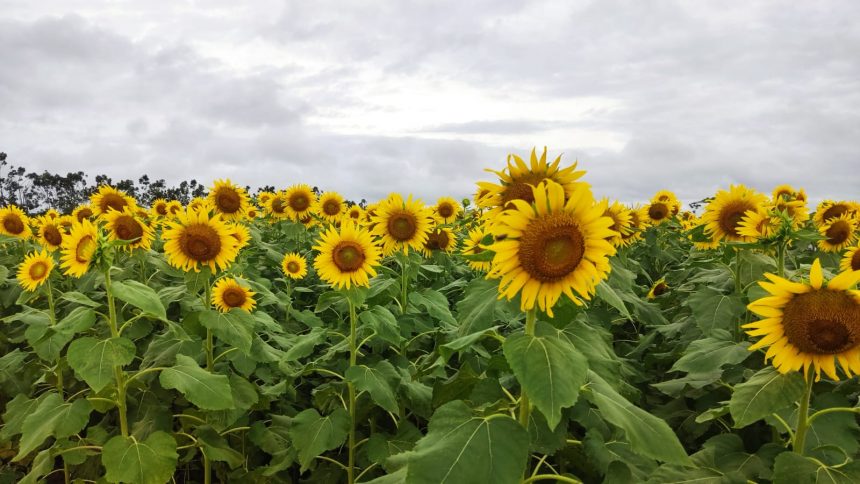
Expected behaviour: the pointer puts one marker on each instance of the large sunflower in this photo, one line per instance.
(347, 256)
(14, 223)
(108, 198)
(125, 226)
(838, 232)
(446, 210)
(472, 246)
(228, 199)
(228, 294)
(518, 178)
(50, 233)
(440, 239)
(552, 246)
(759, 224)
(195, 239)
(851, 259)
(35, 270)
(294, 266)
(78, 248)
(723, 215)
(828, 209)
(300, 201)
(330, 207)
(810, 325)
(401, 224)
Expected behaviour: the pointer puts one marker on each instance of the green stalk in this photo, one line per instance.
(525, 405)
(802, 418)
(207, 470)
(780, 259)
(353, 358)
(53, 316)
(404, 283)
(117, 370)
(210, 341)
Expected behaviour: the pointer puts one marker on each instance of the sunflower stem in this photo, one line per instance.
(53, 316)
(353, 358)
(525, 405)
(780, 258)
(404, 283)
(210, 343)
(117, 370)
(803, 419)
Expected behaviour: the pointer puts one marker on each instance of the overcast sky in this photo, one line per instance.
(369, 97)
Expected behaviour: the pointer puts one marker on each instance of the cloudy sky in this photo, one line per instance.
(369, 97)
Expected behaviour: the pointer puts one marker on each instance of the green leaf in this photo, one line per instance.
(435, 303)
(53, 417)
(378, 381)
(140, 296)
(715, 310)
(461, 447)
(151, 461)
(794, 468)
(550, 370)
(313, 434)
(78, 320)
(383, 323)
(94, 360)
(766, 392)
(303, 345)
(17, 410)
(208, 391)
(235, 327)
(80, 298)
(710, 354)
(609, 296)
(476, 311)
(42, 464)
(648, 435)
(216, 448)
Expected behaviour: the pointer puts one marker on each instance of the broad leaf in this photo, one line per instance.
(766, 392)
(151, 461)
(209, 391)
(235, 327)
(379, 381)
(94, 360)
(715, 310)
(140, 296)
(52, 418)
(313, 434)
(476, 312)
(383, 323)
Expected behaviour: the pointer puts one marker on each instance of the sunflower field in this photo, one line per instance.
(532, 333)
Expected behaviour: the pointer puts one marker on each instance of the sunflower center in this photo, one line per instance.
(731, 216)
(113, 201)
(551, 247)
(402, 226)
(200, 242)
(437, 240)
(445, 210)
(293, 267)
(278, 205)
(822, 322)
(52, 234)
(127, 228)
(355, 214)
(13, 224)
(84, 213)
(228, 200)
(234, 297)
(855, 261)
(38, 270)
(84, 250)
(838, 232)
(161, 209)
(834, 211)
(299, 202)
(348, 256)
(658, 211)
(517, 191)
(307, 219)
(331, 207)
(660, 288)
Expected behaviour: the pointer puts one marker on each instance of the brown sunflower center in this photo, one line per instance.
(551, 247)
(112, 201)
(84, 213)
(834, 211)
(293, 267)
(822, 322)
(660, 288)
(234, 297)
(354, 214)
(278, 205)
(402, 226)
(437, 240)
(731, 216)
(52, 234)
(127, 228)
(174, 209)
(13, 224)
(228, 200)
(161, 209)
(445, 210)
(306, 220)
(855, 261)
(658, 211)
(838, 232)
(299, 202)
(348, 256)
(331, 207)
(84, 250)
(38, 270)
(200, 242)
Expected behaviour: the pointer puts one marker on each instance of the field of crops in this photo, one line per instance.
(533, 333)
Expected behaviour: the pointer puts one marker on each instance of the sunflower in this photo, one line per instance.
(346, 256)
(838, 233)
(108, 198)
(159, 208)
(65, 223)
(446, 210)
(50, 234)
(472, 246)
(796, 210)
(307, 220)
(439, 239)
(197, 239)
(401, 224)
(228, 294)
(828, 209)
(784, 192)
(252, 212)
(330, 207)
(196, 204)
(669, 198)
(517, 180)
(555, 245)
(638, 225)
(82, 212)
(851, 259)
(51, 213)
(294, 266)
(79, 248)
(725, 212)
(35, 270)
(658, 288)
(300, 200)
(14, 223)
(240, 233)
(277, 207)
(809, 325)
(658, 212)
(621, 221)
(263, 198)
(228, 199)
(125, 226)
(356, 214)
(759, 224)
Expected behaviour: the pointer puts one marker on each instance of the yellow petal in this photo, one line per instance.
(816, 278)
(844, 280)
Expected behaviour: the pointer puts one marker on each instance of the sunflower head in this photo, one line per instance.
(82, 212)
(356, 214)
(724, 214)
(638, 224)
(14, 223)
(277, 207)
(294, 266)
(784, 192)
(622, 223)
(447, 210)
(658, 288)
(263, 198)
(108, 198)
(828, 209)
(472, 246)
(347, 256)
(125, 226)
(838, 232)
(330, 207)
(440, 239)
(159, 208)
(35, 270)
(851, 259)
(670, 199)
(228, 199)
(240, 233)
(760, 224)
(196, 239)
(252, 212)
(401, 224)
(554, 246)
(229, 294)
(810, 325)
(50, 233)
(196, 204)
(299, 200)
(78, 249)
